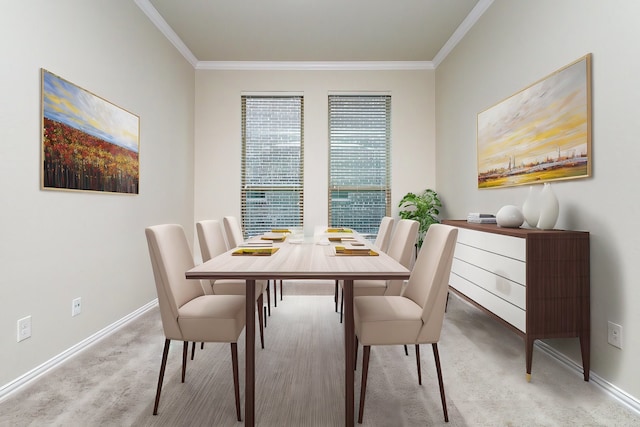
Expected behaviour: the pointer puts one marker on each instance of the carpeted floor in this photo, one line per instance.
(299, 378)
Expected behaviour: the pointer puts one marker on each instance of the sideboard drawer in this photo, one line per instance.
(508, 268)
(496, 284)
(510, 313)
(508, 246)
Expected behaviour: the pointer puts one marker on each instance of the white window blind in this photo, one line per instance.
(272, 163)
(359, 161)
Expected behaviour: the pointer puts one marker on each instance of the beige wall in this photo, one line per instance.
(55, 245)
(513, 45)
(218, 127)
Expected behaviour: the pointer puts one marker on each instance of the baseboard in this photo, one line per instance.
(618, 394)
(23, 380)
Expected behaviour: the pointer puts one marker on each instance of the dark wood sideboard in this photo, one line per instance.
(536, 282)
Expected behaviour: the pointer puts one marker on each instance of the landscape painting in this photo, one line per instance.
(540, 134)
(88, 143)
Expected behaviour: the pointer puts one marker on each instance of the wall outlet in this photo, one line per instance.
(614, 335)
(76, 307)
(24, 328)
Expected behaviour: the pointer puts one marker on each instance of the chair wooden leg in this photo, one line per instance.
(418, 364)
(260, 303)
(440, 382)
(236, 383)
(193, 349)
(363, 388)
(201, 346)
(275, 293)
(281, 293)
(268, 299)
(185, 350)
(163, 364)
(341, 305)
(335, 296)
(355, 359)
(406, 350)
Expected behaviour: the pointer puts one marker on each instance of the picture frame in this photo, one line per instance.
(540, 134)
(88, 143)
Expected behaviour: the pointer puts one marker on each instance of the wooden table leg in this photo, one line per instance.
(250, 337)
(349, 353)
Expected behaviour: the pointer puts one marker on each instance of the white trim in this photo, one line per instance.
(165, 29)
(23, 380)
(620, 395)
(461, 31)
(314, 65)
(271, 93)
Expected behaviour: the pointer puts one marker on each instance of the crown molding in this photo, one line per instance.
(315, 65)
(461, 31)
(165, 29)
(157, 19)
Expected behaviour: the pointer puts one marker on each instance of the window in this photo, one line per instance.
(272, 163)
(359, 161)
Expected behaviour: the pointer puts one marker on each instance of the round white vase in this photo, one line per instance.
(549, 208)
(509, 216)
(531, 208)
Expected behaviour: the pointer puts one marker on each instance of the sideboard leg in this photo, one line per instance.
(529, 355)
(585, 348)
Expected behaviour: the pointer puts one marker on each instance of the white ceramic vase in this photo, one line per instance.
(509, 216)
(531, 208)
(549, 208)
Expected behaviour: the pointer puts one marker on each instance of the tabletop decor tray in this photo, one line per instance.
(339, 230)
(255, 251)
(342, 251)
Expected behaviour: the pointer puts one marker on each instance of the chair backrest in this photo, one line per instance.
(429, 282)
(384, 233)
(211, 239)
(170, 259)
(403, 241)
(233, 231)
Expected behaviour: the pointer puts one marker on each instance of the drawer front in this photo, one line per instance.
(498, 285)
(508, 246)
(502, 308)
(510, 269)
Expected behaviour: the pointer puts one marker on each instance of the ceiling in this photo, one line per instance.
(407, 33)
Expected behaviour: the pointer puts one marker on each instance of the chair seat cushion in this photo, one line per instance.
(386, 320)
(212, 318)
(236, 287)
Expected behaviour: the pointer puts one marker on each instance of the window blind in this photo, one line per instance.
(272, 163)
(359, 161)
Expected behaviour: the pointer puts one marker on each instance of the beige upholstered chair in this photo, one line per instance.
(401, 249)
(187, 313)
(211, 239)
(382, 242)
(235, 237)
(416, 316)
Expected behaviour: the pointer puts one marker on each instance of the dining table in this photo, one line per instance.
(324, 255)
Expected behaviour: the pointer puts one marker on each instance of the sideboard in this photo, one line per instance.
(536, 282)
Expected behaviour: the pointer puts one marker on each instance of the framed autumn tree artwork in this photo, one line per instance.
(88, 143)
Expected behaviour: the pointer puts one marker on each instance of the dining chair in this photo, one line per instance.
(235, 237)
(212, 244)
(400, 249)
(416, 316)
(187, 313)
(382, 242)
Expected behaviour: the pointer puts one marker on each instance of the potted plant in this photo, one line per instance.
(421, 207)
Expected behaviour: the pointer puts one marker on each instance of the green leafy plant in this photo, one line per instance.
(423, 208)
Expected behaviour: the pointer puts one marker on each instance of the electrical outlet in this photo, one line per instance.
(24, 328)
(615, 335)
(76, 307)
